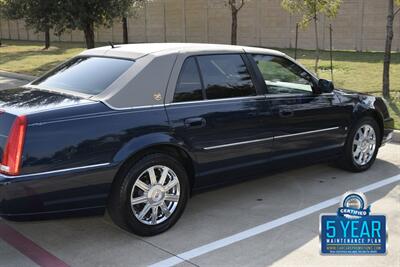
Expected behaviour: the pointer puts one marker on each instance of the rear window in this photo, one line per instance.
(88, 75)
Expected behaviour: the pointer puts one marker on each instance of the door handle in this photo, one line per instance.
(286, 113)
(195, 122)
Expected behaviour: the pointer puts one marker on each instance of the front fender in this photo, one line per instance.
(375, 107)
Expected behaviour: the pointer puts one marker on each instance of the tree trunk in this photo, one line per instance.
(388, 50)
(89, 35)
(316, 44)
(125, 30)
(47, 38)
(234, 28)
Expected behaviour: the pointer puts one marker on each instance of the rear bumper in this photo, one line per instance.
(388, 126)
(54, 192)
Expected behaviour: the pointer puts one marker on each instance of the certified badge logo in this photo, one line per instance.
(353, 230)
(354, 206)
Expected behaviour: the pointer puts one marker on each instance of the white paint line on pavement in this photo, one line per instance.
(266, 226)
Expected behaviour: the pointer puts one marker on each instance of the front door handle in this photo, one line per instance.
(195, 122)
(286, 113)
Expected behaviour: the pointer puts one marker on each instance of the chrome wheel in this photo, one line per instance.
(364, 144)
(155, 195)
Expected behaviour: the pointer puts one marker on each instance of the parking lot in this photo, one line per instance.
(272, 220)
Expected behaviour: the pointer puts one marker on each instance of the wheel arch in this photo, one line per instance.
(373, 113)
(139, 147)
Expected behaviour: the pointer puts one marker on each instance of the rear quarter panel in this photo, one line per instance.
(75, 137)
(86, 135)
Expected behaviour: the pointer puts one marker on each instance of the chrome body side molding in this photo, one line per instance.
(239, 143)
(271, 138)
(88, 167)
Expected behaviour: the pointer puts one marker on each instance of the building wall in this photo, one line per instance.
(360, 25)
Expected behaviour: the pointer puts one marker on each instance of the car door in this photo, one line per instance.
(217, 112)
(303, 119)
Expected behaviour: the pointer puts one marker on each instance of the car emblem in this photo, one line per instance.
(157, 96)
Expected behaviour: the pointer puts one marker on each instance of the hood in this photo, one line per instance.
(25, 100)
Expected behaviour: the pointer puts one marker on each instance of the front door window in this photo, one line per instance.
(283, 76)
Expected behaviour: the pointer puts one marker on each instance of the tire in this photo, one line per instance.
(349, 159)
(162, 201)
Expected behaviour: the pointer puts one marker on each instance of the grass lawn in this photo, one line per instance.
(30, 58)
(359, 71)
(394, 109)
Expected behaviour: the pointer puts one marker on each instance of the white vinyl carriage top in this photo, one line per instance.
(151, 79)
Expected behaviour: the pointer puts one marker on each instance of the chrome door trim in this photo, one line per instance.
(238, 143)
(56, 171)
(271, 138)
(307, 132)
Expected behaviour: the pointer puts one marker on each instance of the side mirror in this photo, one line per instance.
(325, 86)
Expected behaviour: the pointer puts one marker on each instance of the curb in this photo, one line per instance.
(396, 136)
(17, 76)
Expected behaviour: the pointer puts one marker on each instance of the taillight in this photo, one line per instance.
(12, 155)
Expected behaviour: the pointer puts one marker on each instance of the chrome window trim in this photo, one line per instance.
(56, 171)
(297, 95)
(217, 100)
(256, 97)
(132, 108)
(271, 138)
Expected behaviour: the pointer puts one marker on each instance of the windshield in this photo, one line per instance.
(87, 75)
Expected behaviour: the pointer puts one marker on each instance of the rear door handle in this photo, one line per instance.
(286, 113)
(195, 122)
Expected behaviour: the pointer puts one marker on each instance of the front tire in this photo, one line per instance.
(150, 196)
(361, 146)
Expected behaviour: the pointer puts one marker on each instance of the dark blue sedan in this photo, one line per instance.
(135, 129)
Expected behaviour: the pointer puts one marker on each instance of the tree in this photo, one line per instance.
(235, 6)
(86, 14)
(133, 7)
(37, 14)
(310, 10)
(125, 38)
(388, 48)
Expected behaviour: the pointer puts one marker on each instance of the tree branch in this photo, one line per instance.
(241, 5)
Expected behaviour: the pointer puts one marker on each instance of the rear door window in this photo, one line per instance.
(225, 76)
(87, 75)
(189, 87)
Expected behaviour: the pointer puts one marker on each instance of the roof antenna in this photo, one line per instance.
(111, 44)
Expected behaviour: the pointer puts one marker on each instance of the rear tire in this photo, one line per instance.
(361, 146)
(150, 196)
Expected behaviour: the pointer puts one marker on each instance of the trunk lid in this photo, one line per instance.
(24, 101)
